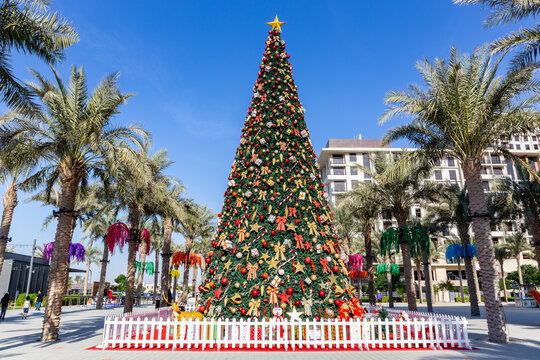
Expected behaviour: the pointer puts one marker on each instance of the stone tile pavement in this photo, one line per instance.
(82, 328)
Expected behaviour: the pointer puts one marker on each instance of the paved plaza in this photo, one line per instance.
(82, 328)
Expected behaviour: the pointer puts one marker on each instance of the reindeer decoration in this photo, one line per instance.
(179, 314)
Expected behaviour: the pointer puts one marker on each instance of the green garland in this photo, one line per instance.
(383, 268)
(148, 267)
(417, 238)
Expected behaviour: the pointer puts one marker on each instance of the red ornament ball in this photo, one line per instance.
(264, 244)
(201, 288)
(202, 308)
(335, 269)
(208, 260)
(297, 303)
(307, 260)
(243, 311)
(265, 275)
(290, 291)
(317, 318)
(322, 294)
(243, 270)
(211, 271)
(224, 281)
(273, 232)
(254, 293)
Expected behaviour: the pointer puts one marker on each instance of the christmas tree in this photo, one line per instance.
(275, 245)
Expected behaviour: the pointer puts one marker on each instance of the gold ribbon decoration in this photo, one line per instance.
(330, 244)
(280, 221)
(239, 202)
(280, 251)
(312, 228)
(252, 271)
(308, 303)
(241, 234)
(273, 292)
(253, 307)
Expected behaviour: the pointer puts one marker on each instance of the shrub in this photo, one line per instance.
(22, 297)
(458, 299)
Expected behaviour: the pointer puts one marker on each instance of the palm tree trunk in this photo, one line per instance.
(503, 281)
(460, 280)
(194, 281)
(58, 272)
(427, 276)
(535, 240)
(369, 265)
(102, 276)
(185, 285)
(476, 282)
(10, 201)
(142, 269)
(520, 274)
(132, 256)
(86, 275)
(401, 218)
(156, 275)
(389, 282)
(419, 275)
(472, 170)
(473, 296)
(166, 256)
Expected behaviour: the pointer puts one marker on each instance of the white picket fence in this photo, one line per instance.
(160, 331)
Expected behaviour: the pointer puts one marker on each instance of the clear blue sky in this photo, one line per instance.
(192, 65)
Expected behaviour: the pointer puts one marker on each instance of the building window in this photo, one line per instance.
(497, 171)
(438, 175)
(453, 175)
(418, 213)
(365, 161)
(535, 147)
(511, 146)
(339, 186)
(495, 159)
(527, 147)
(495, 240)
(518, 147)
(354, 170)
(352, 157)
(485, 185)
(339, 171)
(367, 181)
(533, 138)
(438, 162)
(451, 161)
(516, 138)
(338, 159)
(354, 183)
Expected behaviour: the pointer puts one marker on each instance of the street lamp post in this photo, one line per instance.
(31, 267)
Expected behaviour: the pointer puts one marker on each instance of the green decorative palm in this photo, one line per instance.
(464, 111)
(29, 27)
(73, 139)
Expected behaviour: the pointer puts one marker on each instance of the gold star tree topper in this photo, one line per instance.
(276, 24)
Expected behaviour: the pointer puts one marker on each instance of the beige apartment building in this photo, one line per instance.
(338, 162)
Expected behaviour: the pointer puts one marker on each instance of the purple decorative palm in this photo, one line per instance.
(76, 251)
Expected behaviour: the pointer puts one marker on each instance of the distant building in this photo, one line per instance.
(14, 275)
(340, 173)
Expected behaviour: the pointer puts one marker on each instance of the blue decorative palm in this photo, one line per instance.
(456, 252)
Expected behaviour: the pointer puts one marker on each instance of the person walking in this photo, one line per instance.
(4, 302)
(379, 298)
(26, 307)
(39, 300)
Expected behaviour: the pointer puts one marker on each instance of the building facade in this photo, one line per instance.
(341, 162)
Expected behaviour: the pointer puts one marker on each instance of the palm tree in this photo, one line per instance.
(92, 255)
(398, 183)
(516, 244)
(198, 222)
(453, 210)
(524, 194)
(29, 27)
(345, 223)
(365, 208)
(509, 11)
(156, 241)
(136, 189)
(73, 138)
(95, 228)
(14, 169)
(446, 286)
(501, 254)
(463, 113)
